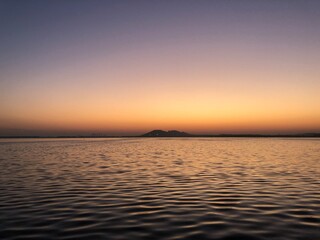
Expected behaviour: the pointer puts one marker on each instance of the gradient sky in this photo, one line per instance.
(126, 67)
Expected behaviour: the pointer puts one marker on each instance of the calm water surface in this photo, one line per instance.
(160, 189)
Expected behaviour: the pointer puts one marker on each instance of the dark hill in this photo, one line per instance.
(161, 133)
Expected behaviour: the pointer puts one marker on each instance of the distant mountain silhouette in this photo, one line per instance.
(161, 133)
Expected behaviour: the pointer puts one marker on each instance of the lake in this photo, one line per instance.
(165, 188)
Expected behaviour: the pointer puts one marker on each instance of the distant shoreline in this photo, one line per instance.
(316, 135)
(178, 134)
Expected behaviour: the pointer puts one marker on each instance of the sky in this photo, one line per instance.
(128, 67)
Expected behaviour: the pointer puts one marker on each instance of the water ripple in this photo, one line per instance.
(160, 189)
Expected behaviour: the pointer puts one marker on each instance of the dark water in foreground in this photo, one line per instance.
(160, 189)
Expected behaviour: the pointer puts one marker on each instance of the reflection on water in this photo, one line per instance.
(160, 189)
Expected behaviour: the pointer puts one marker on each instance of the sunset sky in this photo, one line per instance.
(127, 67)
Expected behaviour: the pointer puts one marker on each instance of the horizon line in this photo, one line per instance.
(220, 135)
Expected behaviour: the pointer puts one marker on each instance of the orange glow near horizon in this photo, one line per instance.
(197, 113)
(175, 100)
